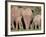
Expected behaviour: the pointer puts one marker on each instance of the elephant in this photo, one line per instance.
(37, 22)
(15, 17)
(27, 17)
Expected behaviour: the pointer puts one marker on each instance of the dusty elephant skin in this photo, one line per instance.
(37, 21)
(27, 16)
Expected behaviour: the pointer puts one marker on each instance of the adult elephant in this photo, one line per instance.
(15, 16)
(27, 17)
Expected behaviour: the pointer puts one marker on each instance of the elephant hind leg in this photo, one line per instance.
(14, 24)
(18, 26)
(39, 27)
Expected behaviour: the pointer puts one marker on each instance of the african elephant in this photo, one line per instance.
(37, 21)
(27, 17)
(15, 16)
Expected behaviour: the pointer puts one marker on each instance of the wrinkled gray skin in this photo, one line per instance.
(15, 16)
(27, 16)
(37, 21)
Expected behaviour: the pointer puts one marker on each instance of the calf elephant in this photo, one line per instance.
(37, 21)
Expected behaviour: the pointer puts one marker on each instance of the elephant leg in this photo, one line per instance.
(12, 22)
(13, 26)
(18, 20)
(39, 27)
(16, 25)
(31, 27)
(26, 25)
(35, 26)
